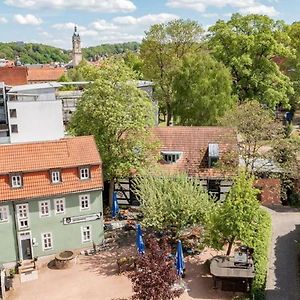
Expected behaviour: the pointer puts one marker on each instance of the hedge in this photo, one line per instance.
(260, 242)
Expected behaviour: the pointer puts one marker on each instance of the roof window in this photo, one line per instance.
(171, 156)
(213, 155)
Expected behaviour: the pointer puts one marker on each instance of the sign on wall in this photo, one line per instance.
(80, 219)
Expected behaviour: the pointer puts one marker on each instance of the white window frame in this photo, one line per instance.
(16, 180)
(171, 157)
(4, 211)
(56, 204)
(45, 236)
(84, 173)
(23, 215)
(55, 176)
(41, 205)
(84, 229)
(84, 198)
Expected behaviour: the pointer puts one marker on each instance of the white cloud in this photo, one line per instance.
(27, 19)
(145, 20)
(107, 6)
(243, 6)
(3, 20)
(102, 25)
(260, 9)
(68, 26)
(89, 33)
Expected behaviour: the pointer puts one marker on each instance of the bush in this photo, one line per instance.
(260, 242)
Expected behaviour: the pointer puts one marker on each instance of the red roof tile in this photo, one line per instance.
(34, 160)
(193, 143)
(13, 75)
(44, 74)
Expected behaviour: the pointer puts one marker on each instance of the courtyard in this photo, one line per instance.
(96, 277)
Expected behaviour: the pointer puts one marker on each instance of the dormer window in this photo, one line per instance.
(55, 176)
(16, 180)
(213, 155)
(84, 173)
(171, 157)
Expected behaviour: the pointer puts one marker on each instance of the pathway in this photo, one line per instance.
(283, 275)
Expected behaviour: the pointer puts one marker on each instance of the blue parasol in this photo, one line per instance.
(115, 206)
(139, 240)
(179, 259)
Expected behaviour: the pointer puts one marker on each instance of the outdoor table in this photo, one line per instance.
(222, 267)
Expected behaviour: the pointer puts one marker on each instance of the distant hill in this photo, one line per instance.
(30, 53)
(33, 53)
(109, 49)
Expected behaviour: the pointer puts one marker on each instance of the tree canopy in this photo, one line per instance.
(119, 115)
(203, 91)
(171, 201)
(162, 50)
(237, 216)
(247, 45)
(258, 129)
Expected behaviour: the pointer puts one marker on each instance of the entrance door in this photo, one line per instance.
(26, 249)
(25, 246)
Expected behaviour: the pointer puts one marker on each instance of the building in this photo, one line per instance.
(44, 73)
(33, 113)
(197, 151)
(12, 75)
(76, 48)
(21, 75)
(50, 198)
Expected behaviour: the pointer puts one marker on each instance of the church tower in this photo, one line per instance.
(76, 51)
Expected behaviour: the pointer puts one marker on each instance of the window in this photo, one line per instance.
(3, 214)
(22, 215)
(45, 208)
(47, 241)
(171, 157)
(86, 234)
(213, 155)
(16, 181)
(55, 177)
(84, 202)
(84, 173)
(13, 113)
(14, 128)
(59, 206)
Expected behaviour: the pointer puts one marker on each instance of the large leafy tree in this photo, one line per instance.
(162, 50)
(119, 115)
(236, 218)
(171, 201)
(203, 91)
(247, 45)
(292, 64)
(257, 129)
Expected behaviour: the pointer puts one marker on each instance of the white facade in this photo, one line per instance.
(34, 114)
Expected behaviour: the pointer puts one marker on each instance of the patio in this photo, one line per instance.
(95, 277)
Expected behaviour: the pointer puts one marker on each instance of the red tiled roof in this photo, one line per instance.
(13, 75)
(34, 160)
(193, 143)
(44, 74)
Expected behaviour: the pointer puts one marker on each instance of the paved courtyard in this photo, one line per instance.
(95, 277)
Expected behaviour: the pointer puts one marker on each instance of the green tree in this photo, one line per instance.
(202, 89)
(119, 115)
(292, 64)
(162, 51)
(247, 45)
(236, 218)
(134, 61)
(171, 201)
(258, 130)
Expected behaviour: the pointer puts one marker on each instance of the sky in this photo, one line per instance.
(52, 22)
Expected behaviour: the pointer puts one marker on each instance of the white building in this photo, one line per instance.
(34, 113)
